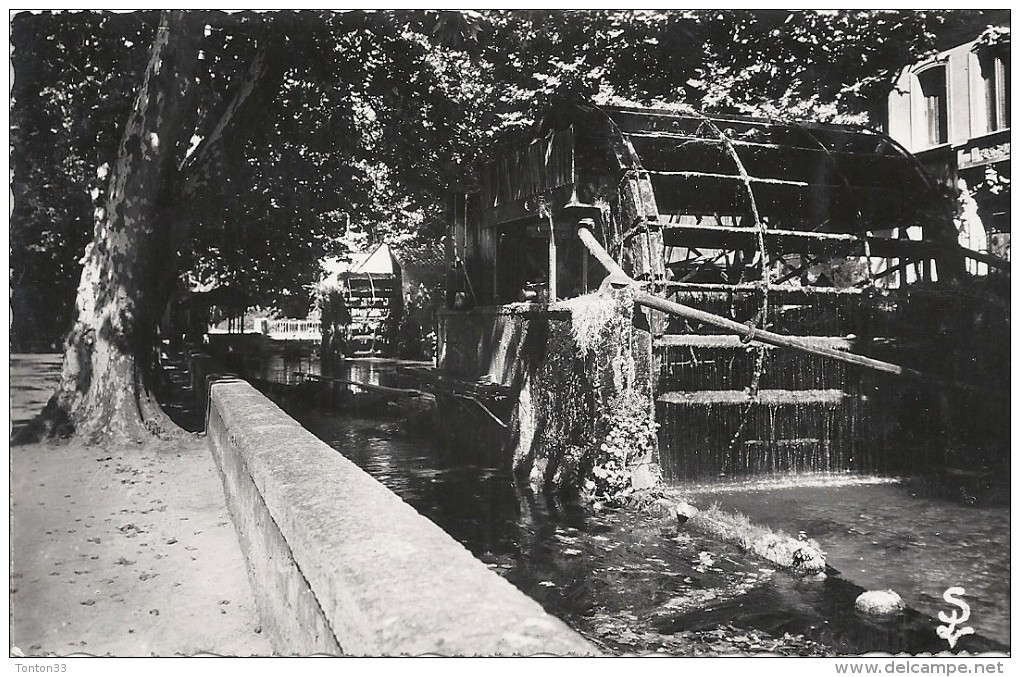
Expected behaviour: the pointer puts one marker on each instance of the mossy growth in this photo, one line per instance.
(552, 424)
(625, 428)
(630, 439)
(591, 318)
(803, 556)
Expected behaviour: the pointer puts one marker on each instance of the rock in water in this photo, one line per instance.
(808, 560)
(685, 511)
(879, 603)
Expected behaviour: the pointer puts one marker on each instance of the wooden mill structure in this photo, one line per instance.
(830, 235)
(362, 306)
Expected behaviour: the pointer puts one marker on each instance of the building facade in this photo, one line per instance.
(953, 112)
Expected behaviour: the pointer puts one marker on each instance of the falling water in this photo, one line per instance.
(725, 412)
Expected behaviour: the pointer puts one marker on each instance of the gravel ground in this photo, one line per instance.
(125, 551)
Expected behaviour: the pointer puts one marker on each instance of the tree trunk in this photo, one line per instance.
(130, 266)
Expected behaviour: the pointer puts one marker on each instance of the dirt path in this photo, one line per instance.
(126, 552)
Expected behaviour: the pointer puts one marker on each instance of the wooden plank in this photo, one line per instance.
(727, 341)
(657, 267)
(829, 396)
(835, 244)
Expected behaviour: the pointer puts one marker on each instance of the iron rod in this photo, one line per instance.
(771, 338)
(749, 332)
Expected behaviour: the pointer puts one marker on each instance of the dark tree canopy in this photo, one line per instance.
(72, 89)
(314, 131)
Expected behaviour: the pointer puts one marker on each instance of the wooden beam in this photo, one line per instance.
(728, 341)
(596, 250)
(795, 241)
(735, 177)
(788, 294)
(743, 143)
(552, 261)
(751, 333)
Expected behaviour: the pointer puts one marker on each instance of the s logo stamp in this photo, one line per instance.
(949, 632)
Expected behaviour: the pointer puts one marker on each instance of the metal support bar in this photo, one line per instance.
(747, 331)
(771, 338)
(597, 250)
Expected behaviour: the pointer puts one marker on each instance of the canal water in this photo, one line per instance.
(884, 534)
(621, 580)
(634, 584)
(637, 585)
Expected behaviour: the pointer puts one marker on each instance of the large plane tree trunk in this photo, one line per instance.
(130, 266)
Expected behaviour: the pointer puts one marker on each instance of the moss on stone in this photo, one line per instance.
(584, 417)
(777, 547)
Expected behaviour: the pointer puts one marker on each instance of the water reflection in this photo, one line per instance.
(629, 583)
(885, 535)
(633, 584)
(284, 365)
(290, 366)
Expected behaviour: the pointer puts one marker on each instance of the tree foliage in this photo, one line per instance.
(832, 64)
(315, 130)
(69, 98)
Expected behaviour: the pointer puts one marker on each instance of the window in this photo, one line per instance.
(995, 74)
(935, 109)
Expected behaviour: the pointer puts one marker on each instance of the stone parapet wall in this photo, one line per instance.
(340, 564)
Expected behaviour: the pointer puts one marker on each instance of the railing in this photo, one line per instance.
(986, 258)
(294, 329)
